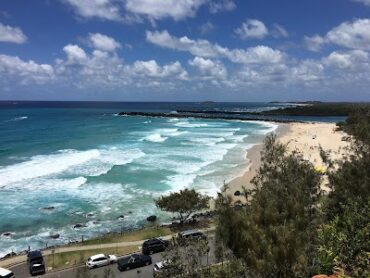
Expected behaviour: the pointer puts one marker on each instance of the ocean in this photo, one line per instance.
(64, 163)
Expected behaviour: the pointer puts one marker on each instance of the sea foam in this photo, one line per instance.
(90, 163)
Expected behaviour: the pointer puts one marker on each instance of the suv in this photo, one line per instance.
(36, 262)
(5, 273)
(154, 245)
(191, 235)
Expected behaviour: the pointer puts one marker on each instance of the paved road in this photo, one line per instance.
(21, 271)
(7, 263)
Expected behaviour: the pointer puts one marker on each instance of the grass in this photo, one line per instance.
(73, 258)
(129, 236)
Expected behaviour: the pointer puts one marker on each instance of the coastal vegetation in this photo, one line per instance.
(275, 233)
(287, 226)
(183, 203)
(345, 233)
(319, 109)
(287, 229)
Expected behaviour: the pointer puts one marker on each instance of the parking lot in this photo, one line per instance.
(21, 271)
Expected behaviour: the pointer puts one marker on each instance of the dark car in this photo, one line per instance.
(133, 261)
(36, 262)
(185, 236)
(154, 245)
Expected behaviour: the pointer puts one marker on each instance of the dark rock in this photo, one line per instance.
(237, 193)
(90, 214)
(7, 234)
(11, 254)
(120, 217)
(79, 225)
(151, 218)
(48, 208)
(56, 236)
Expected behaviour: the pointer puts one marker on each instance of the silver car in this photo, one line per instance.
(100, 260)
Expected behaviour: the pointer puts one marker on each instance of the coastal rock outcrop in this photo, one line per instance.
(48, 209)
(79, 225)
(55, 236)
(6, 234)
(151, 218)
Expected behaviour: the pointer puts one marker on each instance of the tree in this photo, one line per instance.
(275, 234)
(345, 235)
(186, 260)
(184, 203)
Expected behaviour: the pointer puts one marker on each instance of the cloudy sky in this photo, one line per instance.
(185, 50)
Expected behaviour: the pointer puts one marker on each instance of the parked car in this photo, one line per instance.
(36, 262)
(165, 269)
(100, 260)
(134, 261)
(5, 273)
(185, 236)
(154, 245)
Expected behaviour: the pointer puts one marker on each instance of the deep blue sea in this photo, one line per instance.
(92, 166)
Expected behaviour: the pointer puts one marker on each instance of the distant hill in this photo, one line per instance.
(319, 109)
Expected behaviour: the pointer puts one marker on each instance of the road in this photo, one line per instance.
(21, 270)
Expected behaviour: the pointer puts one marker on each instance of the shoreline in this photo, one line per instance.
(253, 158)
(305, 138)
(298, 136)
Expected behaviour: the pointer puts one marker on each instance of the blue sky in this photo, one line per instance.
(185, 50)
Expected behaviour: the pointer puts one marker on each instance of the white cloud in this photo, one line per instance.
(207, 67)
(252, 29)
(216, 6)
(75, 54)
(11, 34)
(159, 9)
(152, 69)
(131, 11)
(347, 59)
(365, 2)
(315, 42)
(206, 27)
(354, 35)
(103, 42)
(279, 31)
(25, 71)
(104, 69)
(205, 49)
(103, 9)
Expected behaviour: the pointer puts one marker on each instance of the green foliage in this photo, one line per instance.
(344, 238)
(358, 125)
(184, 203)
(185, 260)
(275, 234)
(234, 268)
(320, 109)
(344, 242)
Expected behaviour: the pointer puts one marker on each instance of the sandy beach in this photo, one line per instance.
(305, 138)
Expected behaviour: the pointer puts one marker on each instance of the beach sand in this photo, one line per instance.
(305, 138)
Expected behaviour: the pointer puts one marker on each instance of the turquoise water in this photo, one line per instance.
(93, 166)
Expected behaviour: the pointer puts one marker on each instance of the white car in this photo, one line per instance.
(164, 267)
(100, 260)
(4, 273)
